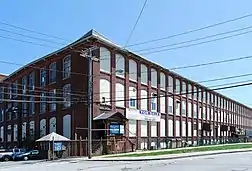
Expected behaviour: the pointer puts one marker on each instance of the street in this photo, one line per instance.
(225, 162)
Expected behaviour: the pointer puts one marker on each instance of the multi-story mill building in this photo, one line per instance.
(132, 98)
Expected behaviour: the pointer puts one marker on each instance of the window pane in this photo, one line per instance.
(67, 96)
(120, 65)
(162, 81)
(144, 74)
(105, 60)
(170, 86)
(52, 72)
(177, 88)
(66, 67)
(153, 77)
(132, 70)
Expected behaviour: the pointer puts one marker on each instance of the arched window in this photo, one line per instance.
(52, 123)
(120, 65)
(104, 91)
(119, 95)
(67, 67)
(52, 73)
(132, 70)
(42, 127)
(144, 74)
(105, 60)
(67, 126)
(153, 77)
(132, 97)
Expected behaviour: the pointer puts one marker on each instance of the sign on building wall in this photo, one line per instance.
(142, 115)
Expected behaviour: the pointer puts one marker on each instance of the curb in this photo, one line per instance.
(171, 158)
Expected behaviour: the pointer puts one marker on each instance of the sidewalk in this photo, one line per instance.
(167, 157)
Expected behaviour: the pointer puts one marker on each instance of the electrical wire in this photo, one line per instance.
(192, 31)
(32, 31)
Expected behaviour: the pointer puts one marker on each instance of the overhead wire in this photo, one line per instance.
(192, 31)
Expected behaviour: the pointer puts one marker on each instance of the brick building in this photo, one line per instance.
(133, 99)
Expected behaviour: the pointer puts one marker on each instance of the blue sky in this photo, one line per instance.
(115, 19)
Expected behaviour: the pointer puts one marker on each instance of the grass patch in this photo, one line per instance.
(189, 150)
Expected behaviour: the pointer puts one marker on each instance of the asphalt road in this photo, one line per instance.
(224, 162)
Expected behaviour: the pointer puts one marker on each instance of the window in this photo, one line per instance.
(105, 92)
(9, 132)
(52, 126)
(24, 84)
(1, 94)
(105, 60)
(120, 62)
(183, 108)
(153, 77)
(204, 113)
(10, 91)
(24, 125)
(153, 129)
(31, 81)
(183, 88)
(195, 111)
(144, 100)
(178, 108)
(67, 67)
(67, 126)
(9, 113)
(153, 102)
(177, 88)
(144, 129)
(32, 129)
(42, 77)
(190, 110)
(204, 96)
(162, 81)
(195, 93)
(132, 70)
(132, 97)
(52, 73)
(15, 88)
(24, 106)
(170, 106)
(42, 102)
(200, 94)
(67, 95)
(2, 133)
(132, 128)
(119, 95)
(42, 124)
(189, 91)
(1, 115)
(52, 104)
(144, 74)
(162, 103)
(14, 113)
(15, 132)
(162, 127)
(32, 105)
(170, 84)
(177, 128)
(170, 126)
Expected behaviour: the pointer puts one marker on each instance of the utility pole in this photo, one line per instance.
(90, 58)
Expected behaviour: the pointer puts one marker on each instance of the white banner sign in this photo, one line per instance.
(142, 115)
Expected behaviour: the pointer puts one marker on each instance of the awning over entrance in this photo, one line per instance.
(112, 115)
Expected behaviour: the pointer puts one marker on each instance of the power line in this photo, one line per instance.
(193, 40)
(196, 44)
(134, 27)
(226, 78)
(25, 41)
(191, 31)
(32, 31)
(32, 37)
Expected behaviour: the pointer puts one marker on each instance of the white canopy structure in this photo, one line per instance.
(53, 137)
